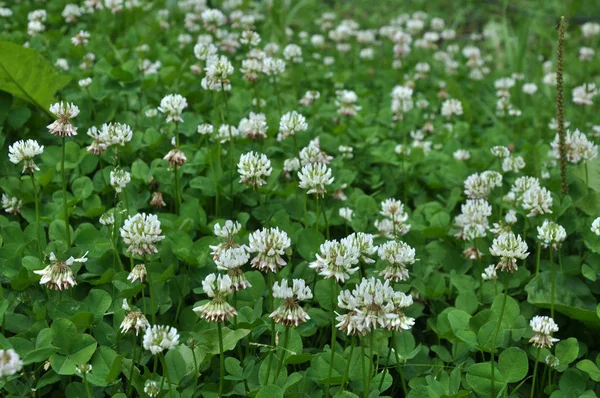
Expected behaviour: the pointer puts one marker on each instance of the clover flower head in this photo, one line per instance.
(159, 338)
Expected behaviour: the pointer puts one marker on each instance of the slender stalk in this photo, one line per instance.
(364, 367)
(317, 210)
(277, 94)
(37, 219)
(286, 336)
(270, 293)
(560, 107)
(537, 358)
(64, 189)
(333, 332)
(221, 358)
(387, 361)
(399, 368)
(177, 189)
(493, 349)
(537, 259)
(196, 374)
(152, 303)
(371, 346)
(231, 162)
(325, 217)
(87, 386)
(166, 372)
(130, 388)
(345, 377)
(553, 281)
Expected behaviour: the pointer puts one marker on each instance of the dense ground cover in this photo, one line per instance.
(297, 199)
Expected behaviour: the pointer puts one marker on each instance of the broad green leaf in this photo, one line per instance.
(590, 368)
(27, 75)
(513, 364)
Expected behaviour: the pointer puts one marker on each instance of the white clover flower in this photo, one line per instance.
(537, 200)
(596, 226)
(552, 361)
(218, 70)
(107, 218)
(373, 304)
(228, 231)
(530, 88)
(312, 154)
(11, 204)
(273, 66)
(83, 368)
(315, 177)
(212, 19)
(293, 52)
(113, 134)
(141, 232)
(119, 179)
(590, 29)
(231, 259)
(346, 213)
(337, 259)
(543, 327)
(270, 245)
(290, 124)
(134, 320)
(10, 362)
(81, 38)
(578, 147)
(63, 112)
(5, 12)
(289, 313)
(147, 67)
(85, 83)
(461, 154)
(398, 255)
(205, 129)
(346, 102)
(511, 217)
(346, 151)
(310, 97)
(472, 223)
(402, 150)
(513, 163)
(451, 107)
(138, 273)
(159, 338)
(254, 127)
(58, 274)
(176, 157)
(509, 247)
(203, 51)
(289, 166)
(586, 54)
(173, 105)
(500, 151)
(522, 185)
(489, 273)
(250, 37)
(251, 67)
(550, 233)
(363, 242)
(479, 186)
(226, 133)
(151, 388)
(218, 309)
(253, 167)
(584, 94)
(24, 151)
(152, 112)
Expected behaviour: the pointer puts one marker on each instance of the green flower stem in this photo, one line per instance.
(325, 217)
(231, 162)
(37, 219)
(221, 358)
(286, 336)
(272, 300)
(370, 373)
(493, 385)
(398, 367)
(535, 367)
(277, 94)
(130, 388)
(553, 279)
(177, 190)
(196, 374)
(537, 260)
(345, 377)
(214, 178)
(87, 386)
(363, 366)
(333, 333)
(317, 210)
(387, 361)
(64, 189)
(166, 373)
(152, 302)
